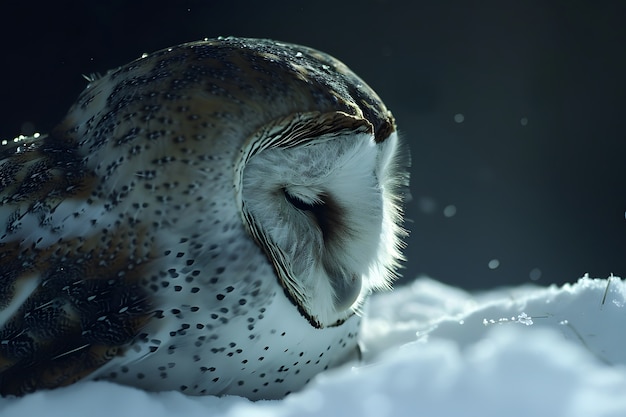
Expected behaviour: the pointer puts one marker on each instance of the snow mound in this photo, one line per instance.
(429, 349)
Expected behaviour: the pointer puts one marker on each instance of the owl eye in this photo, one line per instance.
(302, 205)
(324, 210)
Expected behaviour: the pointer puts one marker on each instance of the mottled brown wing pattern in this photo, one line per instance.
(68, 308)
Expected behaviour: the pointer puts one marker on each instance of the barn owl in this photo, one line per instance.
(209, 218)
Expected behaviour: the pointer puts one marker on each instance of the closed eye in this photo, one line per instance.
(302, 205)
(324, 210)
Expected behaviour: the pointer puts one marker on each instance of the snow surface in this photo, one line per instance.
(429, 350)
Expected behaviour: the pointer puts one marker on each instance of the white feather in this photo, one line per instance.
(359, 176)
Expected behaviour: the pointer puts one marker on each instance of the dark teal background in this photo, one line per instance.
(547, 196)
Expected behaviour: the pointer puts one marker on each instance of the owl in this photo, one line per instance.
(209, 218)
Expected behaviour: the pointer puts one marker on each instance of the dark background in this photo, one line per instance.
(533, 177)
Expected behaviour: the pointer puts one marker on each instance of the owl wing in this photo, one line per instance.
(68, 304)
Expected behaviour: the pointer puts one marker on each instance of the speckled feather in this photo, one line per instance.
(126, 250)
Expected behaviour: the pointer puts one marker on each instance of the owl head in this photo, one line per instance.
(304, 149)
(321, 190)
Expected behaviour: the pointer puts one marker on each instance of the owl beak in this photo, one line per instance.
(346, 286)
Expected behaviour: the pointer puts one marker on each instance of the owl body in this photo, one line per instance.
(208, 218)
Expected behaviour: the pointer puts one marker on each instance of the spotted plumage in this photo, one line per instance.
(208, 218)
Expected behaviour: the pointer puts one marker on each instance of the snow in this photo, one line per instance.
(429, 349)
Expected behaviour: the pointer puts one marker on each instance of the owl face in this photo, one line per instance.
(325, 212)
(207, 218)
